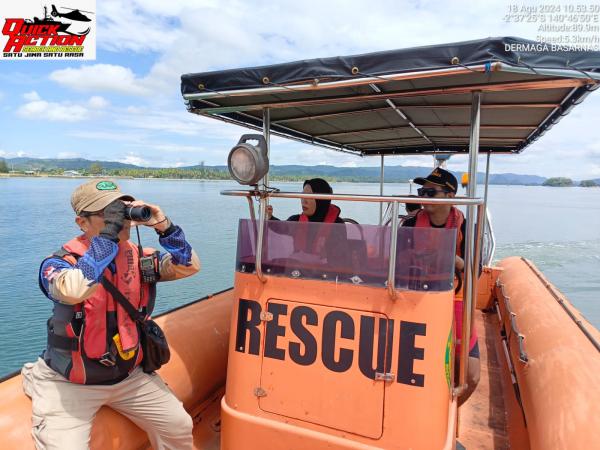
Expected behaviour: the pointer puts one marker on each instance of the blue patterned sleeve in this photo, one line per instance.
(100, 254)
(49, 270)
(177, 246)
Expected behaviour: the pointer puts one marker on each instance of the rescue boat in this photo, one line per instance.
(311, 352)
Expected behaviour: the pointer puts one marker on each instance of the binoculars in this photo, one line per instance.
(138, 213)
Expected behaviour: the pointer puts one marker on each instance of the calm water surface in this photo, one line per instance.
(557, 228)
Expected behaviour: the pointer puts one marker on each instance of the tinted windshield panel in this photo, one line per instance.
(348, 253)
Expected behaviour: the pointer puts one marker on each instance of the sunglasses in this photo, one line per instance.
(90, 214)
(429, 192)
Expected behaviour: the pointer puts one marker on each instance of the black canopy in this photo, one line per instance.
(414, 100)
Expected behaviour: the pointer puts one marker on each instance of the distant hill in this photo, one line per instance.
(66, 164)
(392, 173)
(365, 174)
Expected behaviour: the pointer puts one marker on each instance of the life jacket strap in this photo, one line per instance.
(108, 360)
(63, 342)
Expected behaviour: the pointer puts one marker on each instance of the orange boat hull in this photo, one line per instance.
(198, 335)
(550, 400)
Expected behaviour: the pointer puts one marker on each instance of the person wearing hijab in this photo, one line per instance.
(315, 239)
(314, 210)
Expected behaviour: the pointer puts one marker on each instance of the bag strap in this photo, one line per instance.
(63, 342)
(135, 315)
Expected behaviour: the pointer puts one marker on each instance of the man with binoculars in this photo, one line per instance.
(94, 353)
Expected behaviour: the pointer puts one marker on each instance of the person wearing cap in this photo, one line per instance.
(93, 353)
(442, 184)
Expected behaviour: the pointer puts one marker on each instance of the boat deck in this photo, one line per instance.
(207, 423)
(482, 419)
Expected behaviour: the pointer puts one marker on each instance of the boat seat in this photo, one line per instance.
(357, 249)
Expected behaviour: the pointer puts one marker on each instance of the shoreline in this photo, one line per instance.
(122, 177)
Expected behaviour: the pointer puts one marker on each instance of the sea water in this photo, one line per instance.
(557, 228)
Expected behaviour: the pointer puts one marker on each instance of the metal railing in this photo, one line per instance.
(489, 241)
(263, 195)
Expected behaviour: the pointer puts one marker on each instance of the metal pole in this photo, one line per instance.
(251, 208)
(391, 282)
(362, 198)
(265, 182)
(470, 290)
(485, 194)
(381, 175)
(252, 215)
(267, 135)
(487, 178)
(476, 258)
(260, 238)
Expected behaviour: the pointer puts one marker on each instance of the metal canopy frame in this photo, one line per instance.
(237, 107)
(554, 83)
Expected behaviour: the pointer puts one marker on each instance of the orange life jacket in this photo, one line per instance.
(455, 220)
(91, 341)
(318, 242)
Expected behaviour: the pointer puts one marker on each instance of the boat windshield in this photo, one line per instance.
(350, 253)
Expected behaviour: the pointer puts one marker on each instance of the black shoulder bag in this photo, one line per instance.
(152, 339)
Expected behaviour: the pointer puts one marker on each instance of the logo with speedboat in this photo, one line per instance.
(57, 31)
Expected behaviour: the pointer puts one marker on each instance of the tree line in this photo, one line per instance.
(206, 173)
(566, 182)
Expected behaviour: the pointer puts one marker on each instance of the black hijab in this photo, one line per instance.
(319, 186)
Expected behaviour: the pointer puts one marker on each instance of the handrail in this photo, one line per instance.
(514, 329)
(490, 238)
(260, 237)
(471, 253)
(357, 198)
(391, 282)
(395, 200)
(562, 303)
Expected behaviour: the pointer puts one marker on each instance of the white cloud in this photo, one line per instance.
(182, 36)
(12, 154)
(32, 96)
(101, 77)
(178, 122)
(195, 35)
(42, 110)
(97, 102)
(38, 109)
(132, 158)
(119, 136)
(68, 155)
(174, 148)
(138, 26)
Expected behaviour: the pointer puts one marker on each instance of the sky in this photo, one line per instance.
(126, 105)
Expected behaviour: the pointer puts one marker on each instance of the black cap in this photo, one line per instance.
(440, 177)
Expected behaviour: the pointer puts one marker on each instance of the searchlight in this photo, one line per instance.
(249, 163)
